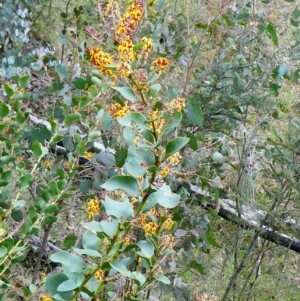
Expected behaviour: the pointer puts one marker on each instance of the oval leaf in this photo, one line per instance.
(122, 182)
(175, 145)
(127, 93)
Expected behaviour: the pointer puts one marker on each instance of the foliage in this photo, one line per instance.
(173, 100)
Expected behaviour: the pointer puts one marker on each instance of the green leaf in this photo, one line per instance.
(172, 122)
(24, 81)
(67, 285)
(80, 148)
(49, 220)
(121, 268)
(90, 240)
(165, 197)
(4, 110)
(194, 114)
(88, 252)
(154, 90)
(127, 93)
(93, 136)
(17, 215)
(163, 279)
(272, 32)
(22, 95)
(80, 83)
(134, 119)
(96, 81)
(36, 149)
(296, 14)
(175, 145)
(21, 117)
(126, 183)
(147, 248)
(6, 159)
(62, 71)
(8, 90)
(3, 251)
(93, 92)
(53, 281)
(118, 209)
(85, 185)
(69, 241)
(25, 181)
(108, 227)
(120, 156)
(72, 263)
(134, 168)
(152, 78)
(6, 176)
(197, 266)
(71, 118)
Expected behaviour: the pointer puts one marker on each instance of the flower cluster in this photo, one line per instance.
(161, 64)
(129, 21)
(100, 59)
(125, 51)
(116, 110)
(124, 69)
(93, 208)
(177, 104)
(150, 228)
(147, 47)
(174, 159)
(171, 162)
(157, 123)
(99, 275)
(167, 224)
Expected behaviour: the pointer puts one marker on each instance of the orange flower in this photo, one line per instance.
(161, 63)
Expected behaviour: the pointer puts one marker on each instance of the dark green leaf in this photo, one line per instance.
(25, 181)
(121, 156)
(36, 149)
(24, 81)
(69, 242)
(175, 145)
(272, 32)
(4, 110)
(194, 114)
(8, 90)
(71, 118)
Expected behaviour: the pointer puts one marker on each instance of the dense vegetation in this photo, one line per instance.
(124, 125)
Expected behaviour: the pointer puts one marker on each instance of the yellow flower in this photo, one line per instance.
(116, 110)
(174, 159)
(88, 155)
(161, 63)
(99, 275)
(67, 165)
(101, 59)
(46, 298)
(47, 163)
(165, 172)
(93, 208)
(167, 224)
(150, 228)
(176, 104)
